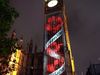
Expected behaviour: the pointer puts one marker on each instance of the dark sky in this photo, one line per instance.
(84, 28)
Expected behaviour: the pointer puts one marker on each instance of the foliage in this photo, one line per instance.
(6, 46)
(7, 17)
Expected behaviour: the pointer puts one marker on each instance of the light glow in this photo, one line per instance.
(14, 73)
(52, 3)
(15, 56)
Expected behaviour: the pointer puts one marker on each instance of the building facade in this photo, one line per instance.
(94, 69)
(34, 61)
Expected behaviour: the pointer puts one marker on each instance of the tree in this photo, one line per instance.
(7, 17)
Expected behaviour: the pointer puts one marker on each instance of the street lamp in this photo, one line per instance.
(52, 3)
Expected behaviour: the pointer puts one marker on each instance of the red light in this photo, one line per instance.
(48, 27)
(50, 68)
(54, 46)
(56, 62)
(54, 23)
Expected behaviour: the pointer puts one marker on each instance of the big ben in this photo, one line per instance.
(58, 59)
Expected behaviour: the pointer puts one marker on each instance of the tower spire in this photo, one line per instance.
(35, 49)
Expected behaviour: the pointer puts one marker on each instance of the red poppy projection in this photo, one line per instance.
(54, 46)
(54, 23)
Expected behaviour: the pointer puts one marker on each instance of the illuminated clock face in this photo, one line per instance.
(52, 3)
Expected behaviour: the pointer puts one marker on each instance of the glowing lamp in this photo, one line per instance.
(52, 3)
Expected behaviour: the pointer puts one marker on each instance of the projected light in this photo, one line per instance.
(52, 3)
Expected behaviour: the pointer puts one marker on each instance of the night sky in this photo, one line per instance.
(84, 28)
